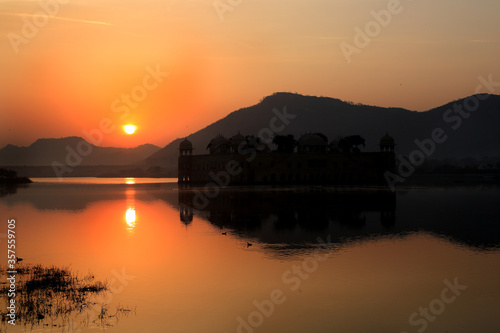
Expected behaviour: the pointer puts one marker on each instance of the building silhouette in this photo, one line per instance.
(246, 160)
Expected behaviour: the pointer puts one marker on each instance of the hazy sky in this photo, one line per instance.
(75, 66)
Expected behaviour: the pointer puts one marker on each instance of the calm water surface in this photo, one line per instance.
(332, 260)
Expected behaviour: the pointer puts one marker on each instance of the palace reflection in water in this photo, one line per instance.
(295, 217)
(299, 216)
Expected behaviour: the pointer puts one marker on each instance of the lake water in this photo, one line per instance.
(320, 259)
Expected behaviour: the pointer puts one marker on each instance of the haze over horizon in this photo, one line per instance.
(75, 68)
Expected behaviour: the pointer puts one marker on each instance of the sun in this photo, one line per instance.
(129, 129)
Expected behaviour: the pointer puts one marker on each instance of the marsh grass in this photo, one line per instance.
(54, 296)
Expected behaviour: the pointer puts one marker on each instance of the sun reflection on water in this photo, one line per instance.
(130, 217)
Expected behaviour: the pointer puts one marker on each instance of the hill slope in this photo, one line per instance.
(45, 151)
(476, 136)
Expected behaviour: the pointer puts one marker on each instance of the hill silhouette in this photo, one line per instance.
(477, 136)
(43, 152)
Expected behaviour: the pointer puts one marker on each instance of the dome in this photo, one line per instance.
(186, 145)
(334, 143)
(237, 139)
(311, 139)
(387, 140)
(312, 143)
(218, 141)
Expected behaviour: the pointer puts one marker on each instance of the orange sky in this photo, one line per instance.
(73, 70)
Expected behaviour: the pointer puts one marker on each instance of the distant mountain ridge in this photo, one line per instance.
(477, 136)
(44, 152)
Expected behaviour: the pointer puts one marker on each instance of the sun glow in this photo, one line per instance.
(129, 129)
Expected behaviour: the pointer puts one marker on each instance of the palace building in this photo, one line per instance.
(246, 160)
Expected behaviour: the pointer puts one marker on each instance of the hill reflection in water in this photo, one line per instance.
(294, 218)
